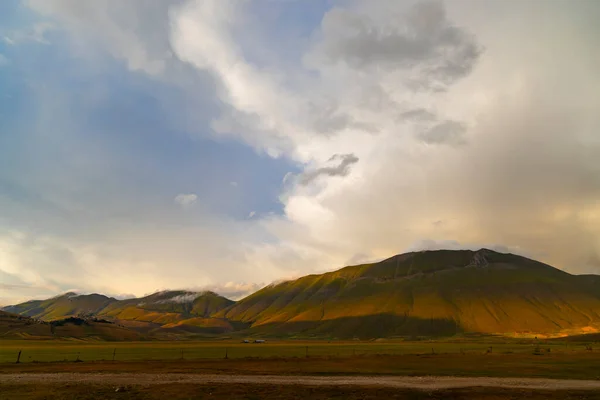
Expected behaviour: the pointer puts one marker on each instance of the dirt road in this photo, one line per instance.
(421, 383)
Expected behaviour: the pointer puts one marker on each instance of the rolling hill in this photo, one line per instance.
(429, 293)
(13, 326)
(172, 311)
(67, 305)
(166, 313)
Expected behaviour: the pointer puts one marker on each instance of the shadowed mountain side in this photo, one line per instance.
(199, 325)
(364, 327)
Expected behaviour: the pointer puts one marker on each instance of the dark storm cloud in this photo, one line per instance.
(423, 38)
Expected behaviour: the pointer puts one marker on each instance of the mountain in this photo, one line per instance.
(13, 326)
(172, 311)
(167, 313)
(429, 293)
(66, 305)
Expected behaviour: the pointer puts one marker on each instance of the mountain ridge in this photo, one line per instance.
(425, 293)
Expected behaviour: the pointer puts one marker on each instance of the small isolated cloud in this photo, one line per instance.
(252, 214)
(447, 132)
(342, 169)
(186, 200)
(3, 60)
(418, 114)
(182, 298)
(234, 184)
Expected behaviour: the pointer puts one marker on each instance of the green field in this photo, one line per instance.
(70, 350)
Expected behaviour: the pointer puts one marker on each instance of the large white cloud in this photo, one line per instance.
(521, 169)
(421, 125)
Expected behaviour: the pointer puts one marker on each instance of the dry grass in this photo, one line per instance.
(89, 350)
(557, 366)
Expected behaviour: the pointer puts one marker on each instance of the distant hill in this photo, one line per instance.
(429, 293)
(176, 311)
(13, 326)
(66, 305)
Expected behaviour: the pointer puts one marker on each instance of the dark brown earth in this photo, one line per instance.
(407, 382)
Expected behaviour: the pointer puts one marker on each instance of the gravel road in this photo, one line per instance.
(423, 383)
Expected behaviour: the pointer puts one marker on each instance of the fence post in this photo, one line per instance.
(114, 352)
(226, 355)
(19, 357)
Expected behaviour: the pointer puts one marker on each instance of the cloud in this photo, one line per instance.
(234, 290)
(251, 214)
(421, 39)
(35, 34)
(3, 60)
(135, 31)
(182, 298)
(5, 286)
(328, 119)
(447, 132)
(342, 169)
(418, 114)
(186, 200)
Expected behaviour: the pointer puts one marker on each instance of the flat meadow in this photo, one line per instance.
(489, 357)
(72, 350)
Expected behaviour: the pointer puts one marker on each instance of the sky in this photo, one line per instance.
(226, 144)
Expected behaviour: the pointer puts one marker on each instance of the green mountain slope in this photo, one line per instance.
(427, 293)
(66, 305)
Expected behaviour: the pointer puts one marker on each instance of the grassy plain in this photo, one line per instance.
(70, 350)
(550, 359)
(469, 357)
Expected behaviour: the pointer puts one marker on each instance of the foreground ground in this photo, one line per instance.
(71, 350)
(404, 382)
(192, 386)
(294, 370)
(551, 365)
